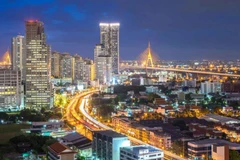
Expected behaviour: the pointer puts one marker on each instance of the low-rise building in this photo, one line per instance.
(203, 148)
(220, 152)
(79, 143)
(160, 139)
(49, 128)
(141, 152)
(220, 119)
(58, 151)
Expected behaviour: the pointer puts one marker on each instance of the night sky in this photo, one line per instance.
(177, 29)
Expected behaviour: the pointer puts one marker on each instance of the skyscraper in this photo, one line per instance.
(103, 64)
(37, 66)
(66, 66)
(19, 54)
(109, 37)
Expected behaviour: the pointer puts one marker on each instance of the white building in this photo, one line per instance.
(103, 64)
(107, 144)
(210, 87)
(109, 37)
(19, 54)
(145, 152)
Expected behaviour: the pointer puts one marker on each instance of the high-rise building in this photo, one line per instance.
(87, 70)
(78, 68)
(38, 63)
(107, 144)
(103, 64)
(11, 90)
(210, 87)
(104, 69)
(55, 64)
(66, 66)
(109, 37)
(19, 54)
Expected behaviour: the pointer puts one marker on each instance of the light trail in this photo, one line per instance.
(103, 126)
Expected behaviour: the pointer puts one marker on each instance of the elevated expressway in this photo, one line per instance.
(122, 67)
(167, 155)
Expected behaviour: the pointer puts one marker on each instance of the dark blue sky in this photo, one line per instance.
(177, 29)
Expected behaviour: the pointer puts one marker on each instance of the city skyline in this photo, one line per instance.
(190, 30)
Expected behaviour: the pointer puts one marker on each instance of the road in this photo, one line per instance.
(103, 126)
(180, 70)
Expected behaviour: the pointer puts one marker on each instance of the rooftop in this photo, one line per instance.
(215, 141)
(60, 148)
(218, 118)
(110, 133)
(137, 149)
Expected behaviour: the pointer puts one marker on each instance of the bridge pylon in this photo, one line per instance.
(149, 57)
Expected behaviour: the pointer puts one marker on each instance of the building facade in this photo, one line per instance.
(103, 65)
(109, 37)
(55, 64)
(66, 66)
(107, 144)
(11, 90)
(19, 54)
(78, 68)
(38, 71)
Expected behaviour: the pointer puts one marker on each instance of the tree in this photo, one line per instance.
(4, 116)
(234, 155)
(177, 147)
(152, 96)
(217, 110)
(188, 97)
(180, 123)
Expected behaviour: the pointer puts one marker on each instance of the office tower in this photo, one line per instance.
(103, 65)
(11, 90)
(55, 64)
(66, 66)
(145, 152)
(109, 37)
(107, 143)
(37, 66)
(18, 54)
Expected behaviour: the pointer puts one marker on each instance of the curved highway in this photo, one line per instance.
(101, 125)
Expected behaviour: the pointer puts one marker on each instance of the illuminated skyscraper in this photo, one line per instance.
(109, 37)
(37, 66)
